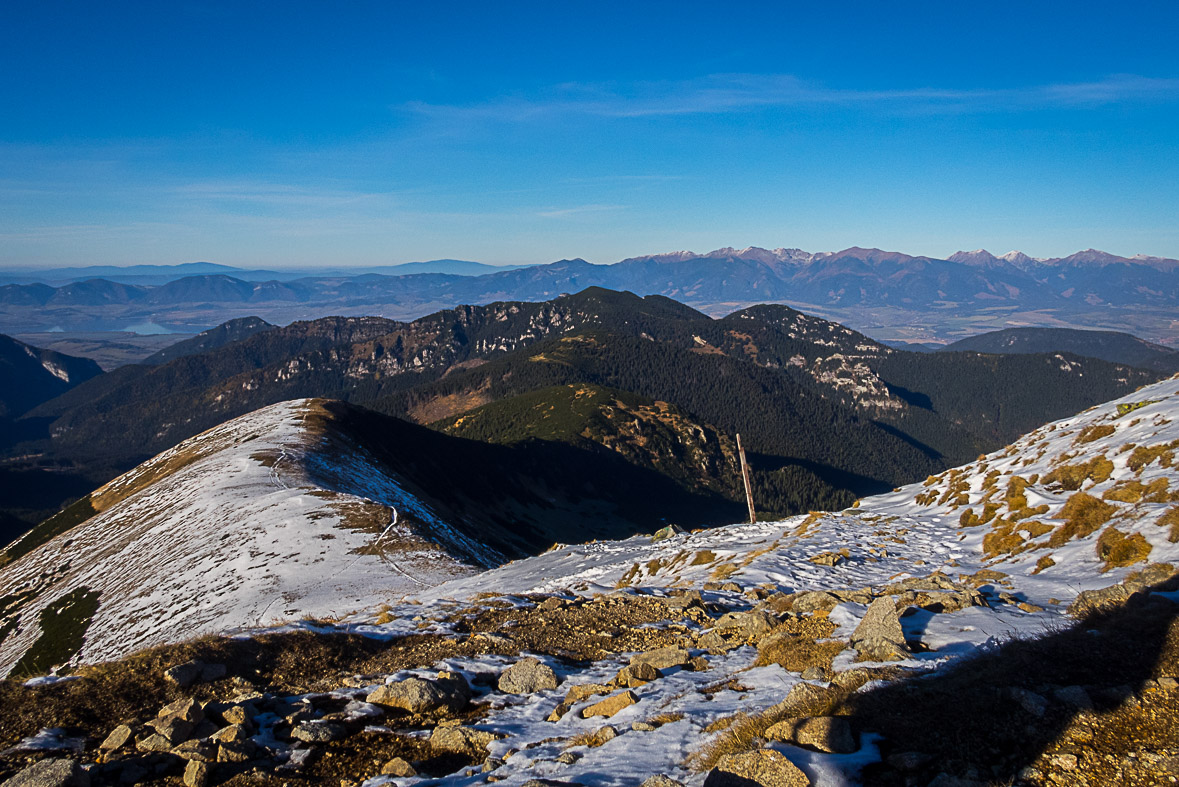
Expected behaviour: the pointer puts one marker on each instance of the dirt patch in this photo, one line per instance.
(441, 407)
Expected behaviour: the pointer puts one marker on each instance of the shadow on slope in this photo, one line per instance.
(520, 499)
(1081, 702)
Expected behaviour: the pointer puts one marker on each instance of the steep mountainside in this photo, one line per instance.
(226, 333)
(827, 413)
(30, 376)
(1109, 346)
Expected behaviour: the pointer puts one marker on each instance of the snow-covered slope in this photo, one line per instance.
(271, 516)
(1074, 505)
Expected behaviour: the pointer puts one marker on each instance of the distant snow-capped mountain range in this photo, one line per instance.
(890, 295)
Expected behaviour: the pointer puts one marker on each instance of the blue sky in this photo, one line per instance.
(314, 133)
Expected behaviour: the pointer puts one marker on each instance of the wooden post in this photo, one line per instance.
(745, 475)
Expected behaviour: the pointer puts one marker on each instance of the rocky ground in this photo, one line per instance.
(563, 689)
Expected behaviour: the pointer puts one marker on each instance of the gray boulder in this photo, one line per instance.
(51, 773)
(527, 676)
(448, 691)
(319, 732)
(663, 658)
(879, 637)
(764, 767)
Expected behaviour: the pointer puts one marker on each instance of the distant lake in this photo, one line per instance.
(148, 328)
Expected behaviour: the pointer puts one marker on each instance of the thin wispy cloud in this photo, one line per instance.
(730, 93)
(562, 213)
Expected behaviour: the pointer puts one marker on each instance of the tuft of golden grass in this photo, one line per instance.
(1094, 432)
(1119, 550)
(1171, 519)
(1145, 455)
(1083, 515)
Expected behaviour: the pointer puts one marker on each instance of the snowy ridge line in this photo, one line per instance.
(248, 524)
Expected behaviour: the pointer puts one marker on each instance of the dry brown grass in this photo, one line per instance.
(1143, 455)
(1171, 519)
(703, 557)
(1119, 550)
(1095, 432)
(1083, 515)
(800, 643)
(1070, 478)
(969, 519)
(659, 719)
(725, 570)
(743, 732)
(1132, 491)
(1043, 563)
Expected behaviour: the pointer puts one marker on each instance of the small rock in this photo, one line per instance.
(236, 752)
(603, 735)
(731, 587)
(186, 708)
(636, 675)
(449, 691)
(551, 604)
(1030, 701)
(527, 676)
(461, 740)
(196, 774)
(568, 757)
(659, 780)
(117, 739)
(154, 742)
(172, 728)
(201, 751)
(699, 664)
(398, 767)
(1167, 683)
(764, 767)
(814, 672)
(186, 674)
(1066, 762)
(611, 705)
(812, 601)
(750, 625)
(1073, 696)
(831, 734)
(715, 642)
(51, 773)
(491, 764)
(234, 733)
(239, 714)
(319, 732)
(642, 726)
(558, 712)
(583, 690)
(663, 658)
